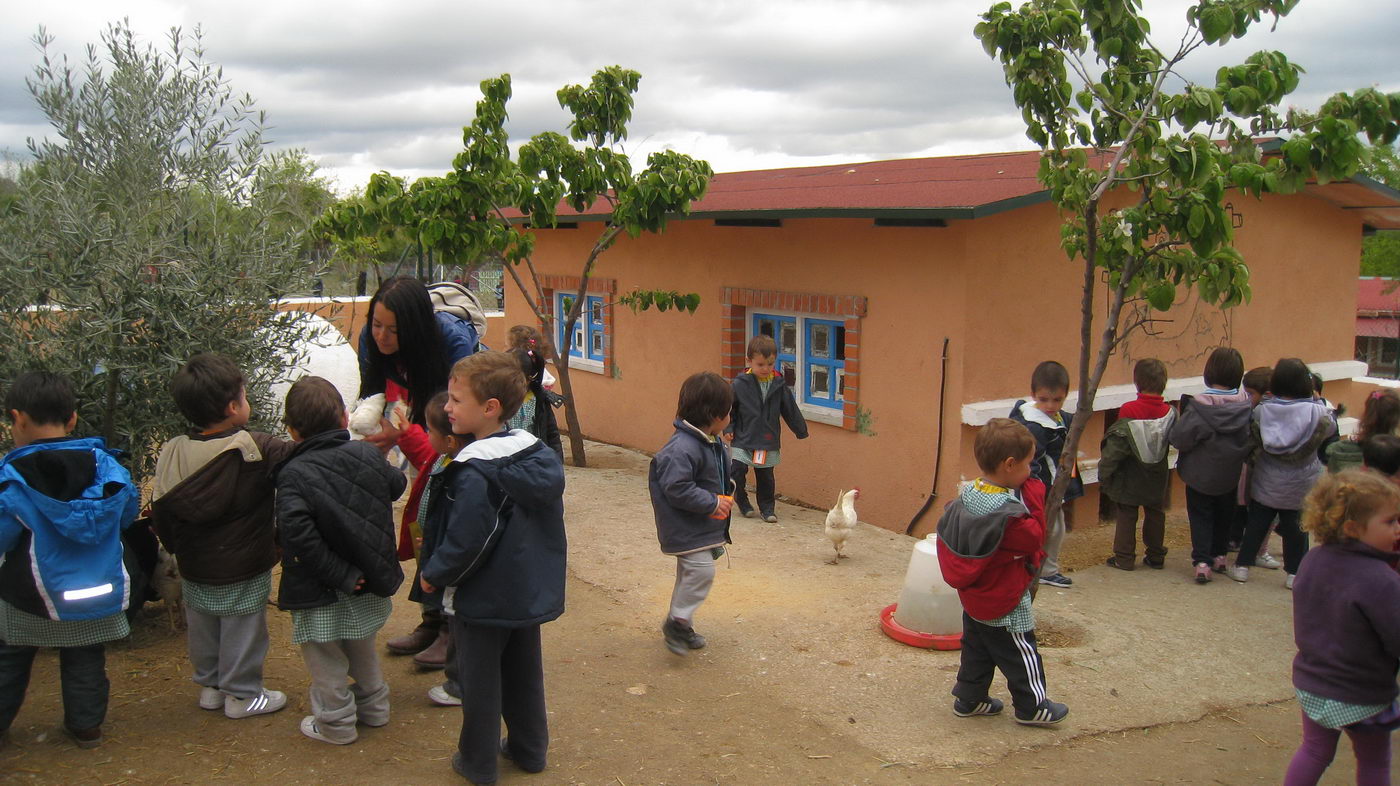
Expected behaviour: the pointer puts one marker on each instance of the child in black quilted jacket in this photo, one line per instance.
(340, 566)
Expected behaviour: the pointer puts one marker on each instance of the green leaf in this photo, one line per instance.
(1161, 296)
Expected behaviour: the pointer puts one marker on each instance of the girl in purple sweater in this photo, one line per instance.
(1347, 628)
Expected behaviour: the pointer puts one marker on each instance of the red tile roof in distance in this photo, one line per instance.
(1377, 297)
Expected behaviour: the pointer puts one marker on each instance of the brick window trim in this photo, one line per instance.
(569, 285)
(736, 304)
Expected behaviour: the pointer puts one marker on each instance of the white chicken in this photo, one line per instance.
(365, 419)
(841, 521)
(166, 580)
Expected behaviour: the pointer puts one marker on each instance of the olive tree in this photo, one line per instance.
(142, 233)
(1140, 159)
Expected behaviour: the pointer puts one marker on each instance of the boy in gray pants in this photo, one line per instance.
(212, 508)
(689, 481)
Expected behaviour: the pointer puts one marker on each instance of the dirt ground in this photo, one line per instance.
(1168, 682)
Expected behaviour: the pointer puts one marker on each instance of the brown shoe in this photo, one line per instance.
(86, 739)
(413, 643)
(435, 656)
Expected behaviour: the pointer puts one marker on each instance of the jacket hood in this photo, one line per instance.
(1288, 425)
(1033, 414)
(86, 518)
(975, 536)
(524, 467)
(1227, 415)
(1149, 437)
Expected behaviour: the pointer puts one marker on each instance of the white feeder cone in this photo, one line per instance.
(927, 604)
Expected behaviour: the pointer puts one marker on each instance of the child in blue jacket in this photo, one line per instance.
(63, 504)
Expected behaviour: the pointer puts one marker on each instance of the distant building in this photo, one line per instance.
(1378, 326)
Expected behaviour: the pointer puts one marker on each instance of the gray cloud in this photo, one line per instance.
(365, 86)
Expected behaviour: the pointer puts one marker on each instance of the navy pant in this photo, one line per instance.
(1211, 517)
(1295, 540)
(986, 648)
(764, 484)
(505, 669)
(82, 670)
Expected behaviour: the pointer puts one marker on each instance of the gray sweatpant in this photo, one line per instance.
(1054, 536)
(695, 574)
(336, 704)
(228, 652)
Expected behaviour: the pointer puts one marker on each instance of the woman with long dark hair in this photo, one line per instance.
(406, 352)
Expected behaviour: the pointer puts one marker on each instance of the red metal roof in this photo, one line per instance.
(1377, 297)
(949, 187)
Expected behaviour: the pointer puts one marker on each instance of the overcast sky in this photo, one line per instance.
(364, 86)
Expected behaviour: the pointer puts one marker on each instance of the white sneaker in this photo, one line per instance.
(310, 729)
(1288, 581)
(1238, 572)
(439, 696)
(261, 704)
(211, 699)
(1267, 560)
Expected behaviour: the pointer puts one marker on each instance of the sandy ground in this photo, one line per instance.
(1167, 681)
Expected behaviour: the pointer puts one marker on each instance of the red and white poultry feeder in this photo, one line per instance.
(928, 613)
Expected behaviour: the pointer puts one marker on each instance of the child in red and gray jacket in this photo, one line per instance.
(991, 544)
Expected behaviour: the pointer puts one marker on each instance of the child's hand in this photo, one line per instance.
(722, 506)
(417, 543)
(728, 437)
(426, 587)
(360, 584)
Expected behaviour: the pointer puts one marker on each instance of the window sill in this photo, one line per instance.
(827, 415)
(583, 364)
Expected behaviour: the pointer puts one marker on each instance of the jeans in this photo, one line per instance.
(1295, 540)
(765, 484)
(82, 670)
(505, 669)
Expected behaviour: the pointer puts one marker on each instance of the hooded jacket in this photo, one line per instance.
(754, 416)
(685, 478)
(1286, 434)
(991, 558)
(497, 522)
(1133, 461)
(335, 520)
(1346, 624)
(1049, 444)
(1212, 440)
(212, 504)
(63, 505)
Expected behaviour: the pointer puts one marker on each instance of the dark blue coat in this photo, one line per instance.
(685, 479)
(498, 544)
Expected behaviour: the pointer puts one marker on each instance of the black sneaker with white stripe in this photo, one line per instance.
(1047, 713)
(969, 709)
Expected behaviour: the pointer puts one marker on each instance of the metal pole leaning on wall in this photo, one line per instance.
(938, 454)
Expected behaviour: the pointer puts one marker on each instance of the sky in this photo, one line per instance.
(369, 86)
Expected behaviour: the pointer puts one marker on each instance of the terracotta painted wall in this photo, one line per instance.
(999, 288)
(911, 278)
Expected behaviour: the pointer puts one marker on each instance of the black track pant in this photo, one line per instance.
(986, 648)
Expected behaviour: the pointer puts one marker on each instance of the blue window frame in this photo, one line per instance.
(587, 340)
(813, 349)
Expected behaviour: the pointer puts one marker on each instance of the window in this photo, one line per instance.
(586, 344)
(811, 354)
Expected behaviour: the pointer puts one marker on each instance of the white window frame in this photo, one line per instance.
(586, 326)
(832, 416)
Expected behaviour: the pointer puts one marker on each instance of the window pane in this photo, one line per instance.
(596, 349)
(765, 327)
(841, 343)
(821, 341)
(821, 382)
(788, 344)
(597, 313)
(840, 384)
(790, 376)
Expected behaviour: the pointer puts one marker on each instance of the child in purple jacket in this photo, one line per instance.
(1346, 626)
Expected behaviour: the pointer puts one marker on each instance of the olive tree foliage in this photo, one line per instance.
(142, 234)
(491, 200)
(1140, 159)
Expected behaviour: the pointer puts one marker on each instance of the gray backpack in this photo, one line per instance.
(450, 297)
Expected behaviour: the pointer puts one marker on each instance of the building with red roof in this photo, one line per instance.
(864, 272)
